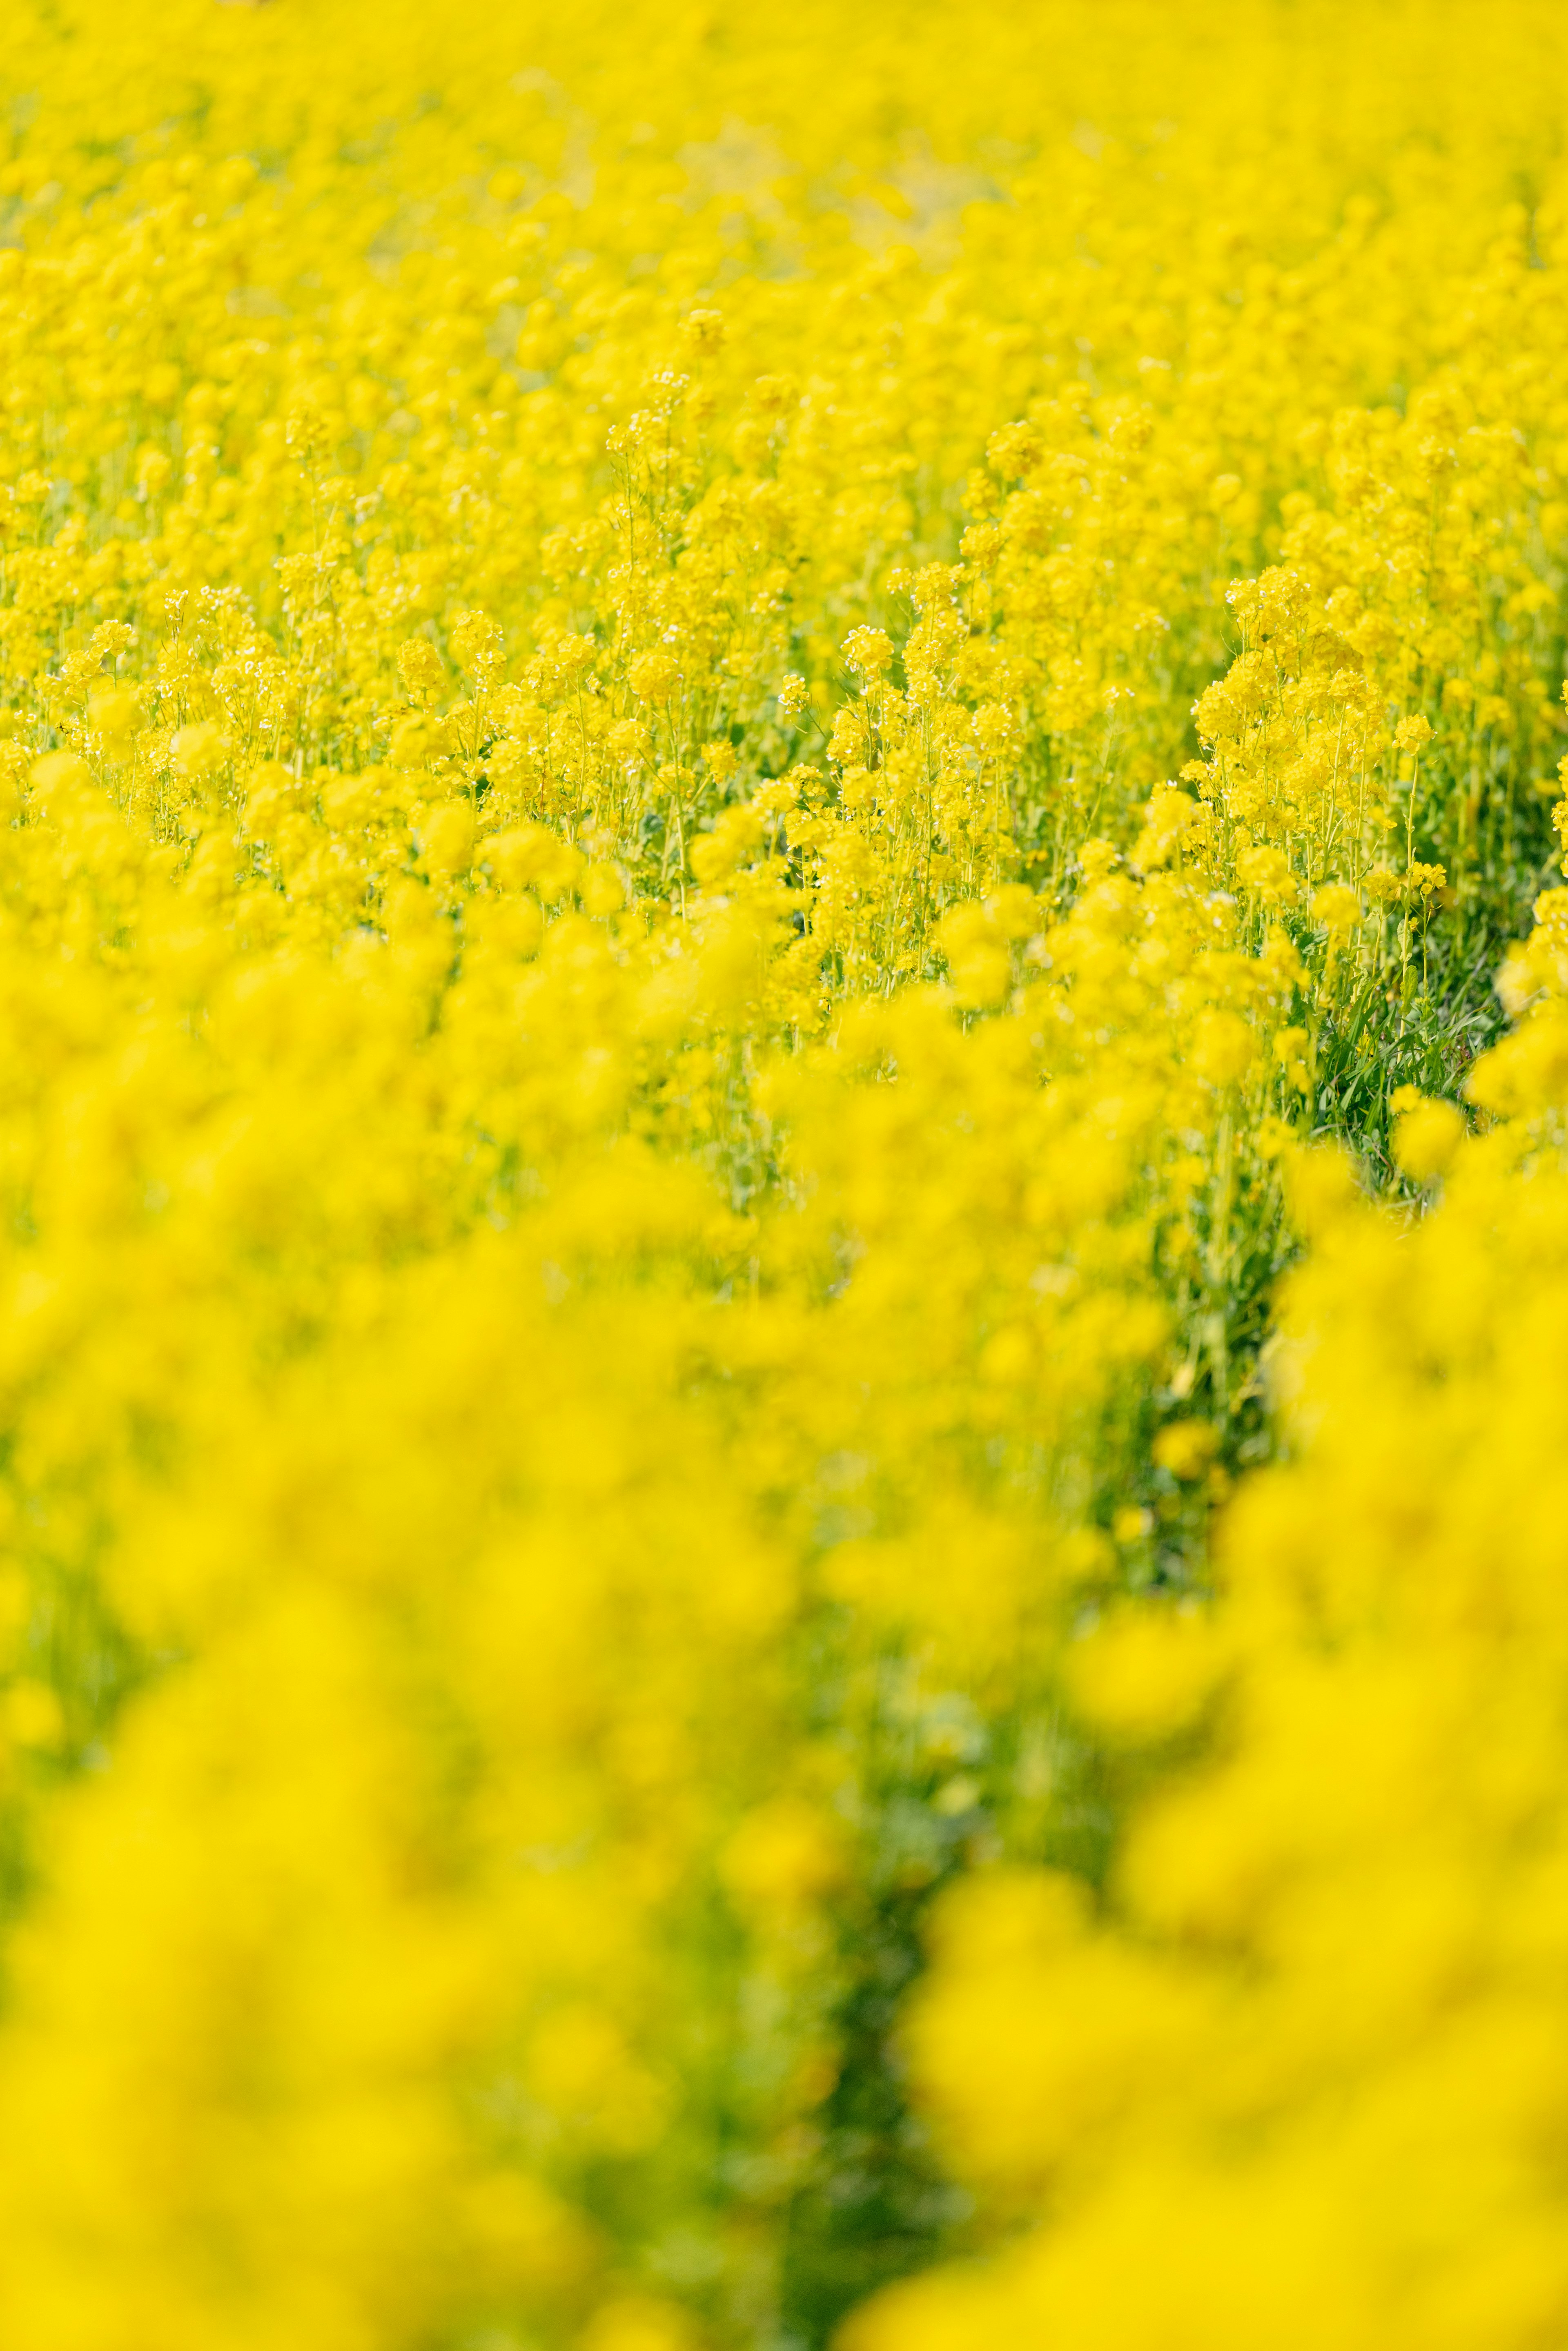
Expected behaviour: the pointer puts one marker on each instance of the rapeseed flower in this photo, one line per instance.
(776, 1313)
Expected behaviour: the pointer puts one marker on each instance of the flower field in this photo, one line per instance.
(784, 1160)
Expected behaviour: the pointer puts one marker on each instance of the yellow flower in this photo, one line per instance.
(1186, 1447)
(1426, 1137)
(623, 1355)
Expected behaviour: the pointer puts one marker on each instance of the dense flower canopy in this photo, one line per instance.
(783, 1296)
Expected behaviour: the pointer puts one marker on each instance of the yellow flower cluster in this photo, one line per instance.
(718, 740)
(1298, 2070)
